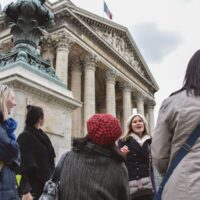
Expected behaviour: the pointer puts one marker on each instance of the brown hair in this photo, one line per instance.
(192, 76)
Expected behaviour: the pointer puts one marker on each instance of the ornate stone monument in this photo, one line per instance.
(34, 79)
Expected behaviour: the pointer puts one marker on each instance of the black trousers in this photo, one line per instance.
(146, 197)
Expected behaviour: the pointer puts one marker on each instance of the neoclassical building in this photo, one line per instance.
(98, 64)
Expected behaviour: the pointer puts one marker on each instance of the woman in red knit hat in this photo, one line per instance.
(95, 169)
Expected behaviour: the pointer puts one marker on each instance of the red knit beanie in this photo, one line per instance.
(103, 129)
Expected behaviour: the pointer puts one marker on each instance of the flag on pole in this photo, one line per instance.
(107, 11)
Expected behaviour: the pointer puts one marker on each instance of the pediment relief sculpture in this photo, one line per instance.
(138, 68)
(116, 42)
(120, 46)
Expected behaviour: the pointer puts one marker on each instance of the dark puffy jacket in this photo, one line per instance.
(137, 161)
(9, 154)
(93, 173)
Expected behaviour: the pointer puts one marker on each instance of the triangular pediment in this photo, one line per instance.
(119, 43)
(113, 37)
(118, 39)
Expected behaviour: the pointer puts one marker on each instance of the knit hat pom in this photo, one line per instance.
(103, 129)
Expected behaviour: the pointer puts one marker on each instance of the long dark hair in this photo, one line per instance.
(192, 76)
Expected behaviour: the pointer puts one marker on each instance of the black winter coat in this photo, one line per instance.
(37, 160)
(137, 161)
(93, 173)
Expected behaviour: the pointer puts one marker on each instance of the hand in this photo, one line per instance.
(124, 150)
(27, 196)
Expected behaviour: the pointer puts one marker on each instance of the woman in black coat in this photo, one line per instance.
(37, 155)
(136, 144)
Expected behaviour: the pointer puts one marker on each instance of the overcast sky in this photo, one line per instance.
(167, 33)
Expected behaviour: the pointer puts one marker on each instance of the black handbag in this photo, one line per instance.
(50, 191)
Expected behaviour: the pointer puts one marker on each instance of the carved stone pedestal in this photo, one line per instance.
(32, 86)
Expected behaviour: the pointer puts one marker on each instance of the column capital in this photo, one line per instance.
(111, 75)
(140, 96)
(90, 61)
(126, 86)
(151, 103)
(76, 65)
(90, 58)
(48, 43)
(63, 40)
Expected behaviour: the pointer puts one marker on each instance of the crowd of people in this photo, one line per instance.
(106, 164)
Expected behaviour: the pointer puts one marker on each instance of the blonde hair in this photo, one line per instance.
(129, 126)
(5, 92)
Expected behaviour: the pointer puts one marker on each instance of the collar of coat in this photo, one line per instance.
(140, 140)
(95, 149)
(42, 137)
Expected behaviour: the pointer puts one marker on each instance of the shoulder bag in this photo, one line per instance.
(50, 191)
(186, 147)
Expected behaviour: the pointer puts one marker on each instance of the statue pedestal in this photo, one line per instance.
(32, 86)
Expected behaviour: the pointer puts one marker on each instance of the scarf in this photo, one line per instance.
(140, 140)
(10, 125)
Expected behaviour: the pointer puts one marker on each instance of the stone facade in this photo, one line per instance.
(99, 64)
(57, 102)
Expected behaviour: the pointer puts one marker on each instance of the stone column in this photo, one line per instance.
(150, 112)
(89, 88)
(62, 52)
(127, 108)
(140, 103)
(110, 92)
(76, 89)
(48, 49)
(101, 104)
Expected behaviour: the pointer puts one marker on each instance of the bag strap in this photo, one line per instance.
(57, 171)
(186, 147)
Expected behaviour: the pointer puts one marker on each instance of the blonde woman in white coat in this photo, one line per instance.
(179, 115)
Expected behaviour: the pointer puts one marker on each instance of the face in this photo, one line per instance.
(11, 102)
(41, 122)
(137, 125)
